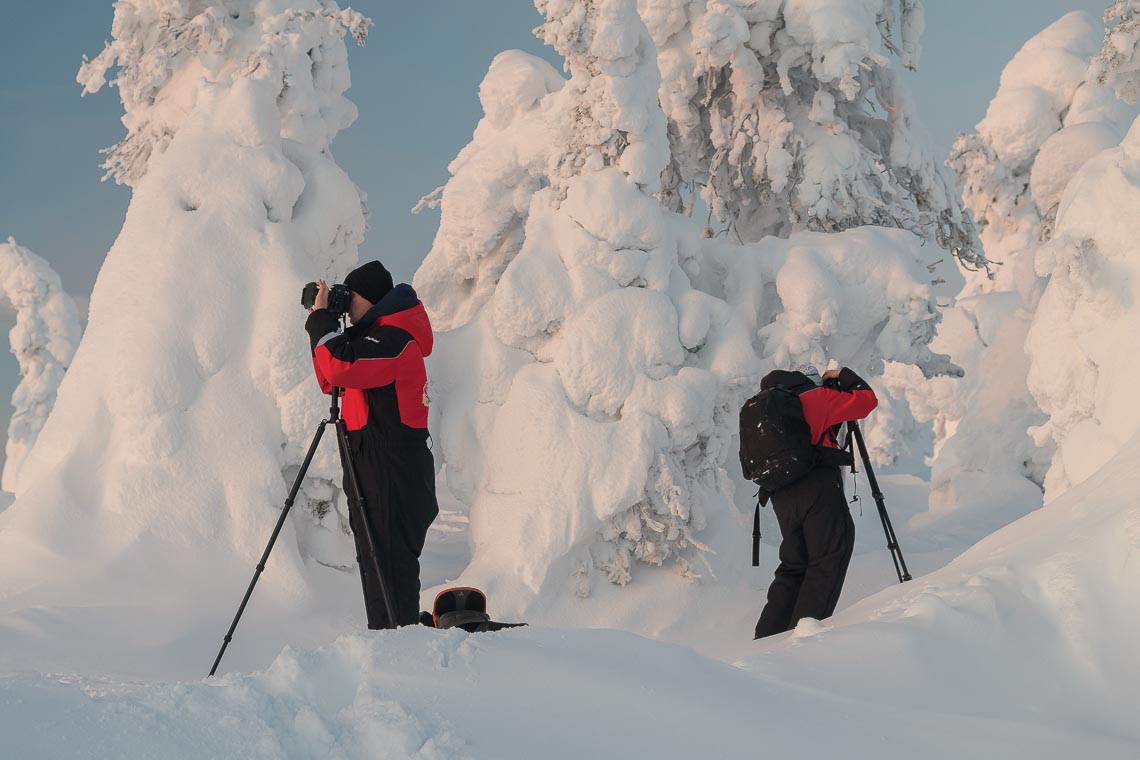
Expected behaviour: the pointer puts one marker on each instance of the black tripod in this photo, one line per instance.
(356, 494)
(888, 529)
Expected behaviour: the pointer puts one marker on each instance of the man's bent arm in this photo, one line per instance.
(354, 359)
(853, 400)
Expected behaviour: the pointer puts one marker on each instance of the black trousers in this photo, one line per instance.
(818, 538)
(397, 479)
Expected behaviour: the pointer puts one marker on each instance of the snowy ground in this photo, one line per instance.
(932, 669)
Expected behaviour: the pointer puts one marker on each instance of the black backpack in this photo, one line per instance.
(776, 448)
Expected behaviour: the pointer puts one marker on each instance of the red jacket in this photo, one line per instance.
(379, 362)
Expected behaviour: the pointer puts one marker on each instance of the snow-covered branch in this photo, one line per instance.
(1118, 64)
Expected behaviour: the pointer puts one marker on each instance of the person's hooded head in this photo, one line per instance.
(369, 283)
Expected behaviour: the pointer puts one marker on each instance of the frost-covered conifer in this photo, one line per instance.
(1118, 64)
(1079, 343)
(575, 332)
(43, 341)
(1083, 362)
(1045, 121)
(191, 400)
(1047, 118)
(598, 349)
(789, 116)
(161, 46)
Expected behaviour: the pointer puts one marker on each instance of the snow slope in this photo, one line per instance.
(1021, 648)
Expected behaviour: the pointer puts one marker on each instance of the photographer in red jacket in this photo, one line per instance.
(817, 529)
(379, 362)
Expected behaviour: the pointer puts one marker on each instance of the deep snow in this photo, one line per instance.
(1019, 648)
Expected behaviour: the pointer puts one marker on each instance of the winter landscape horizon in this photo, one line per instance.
(620, 217)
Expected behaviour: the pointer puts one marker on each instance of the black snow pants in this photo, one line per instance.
(818, 538)
(397, 477)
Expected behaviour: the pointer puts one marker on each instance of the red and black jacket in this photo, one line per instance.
(827, 407)
(379, 362)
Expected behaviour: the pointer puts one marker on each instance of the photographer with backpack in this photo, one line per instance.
(789, 447)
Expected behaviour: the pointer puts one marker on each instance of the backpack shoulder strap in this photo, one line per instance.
(762, 497)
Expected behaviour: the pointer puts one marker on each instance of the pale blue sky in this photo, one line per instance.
(415, 84)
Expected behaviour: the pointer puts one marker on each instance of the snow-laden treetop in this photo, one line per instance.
(157, 43)
(789, 116)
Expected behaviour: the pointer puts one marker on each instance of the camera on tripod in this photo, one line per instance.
(339, 298)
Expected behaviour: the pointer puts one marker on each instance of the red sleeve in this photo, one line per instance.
(326, 386)
(825, 407)
(843, 406)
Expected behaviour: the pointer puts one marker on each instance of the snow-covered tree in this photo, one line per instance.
(789, 116)
(1083, 362)
(161, 46)
(597, 349)
(190, 401)
(1079, 342)
(1118, 64)
(1046, 120)
(43, 341)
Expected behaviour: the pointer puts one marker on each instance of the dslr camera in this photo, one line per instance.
(339, 298)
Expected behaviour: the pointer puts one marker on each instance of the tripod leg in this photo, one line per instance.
(272, 540)
(880, 503)
(365, 521)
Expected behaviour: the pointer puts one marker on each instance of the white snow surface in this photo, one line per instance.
(43, 341)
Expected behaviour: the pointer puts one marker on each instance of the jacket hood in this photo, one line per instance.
(402, 308)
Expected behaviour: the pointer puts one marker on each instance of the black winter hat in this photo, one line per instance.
(372, 281)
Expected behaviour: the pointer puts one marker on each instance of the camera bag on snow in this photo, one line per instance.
(464, 608)
(776, 447)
